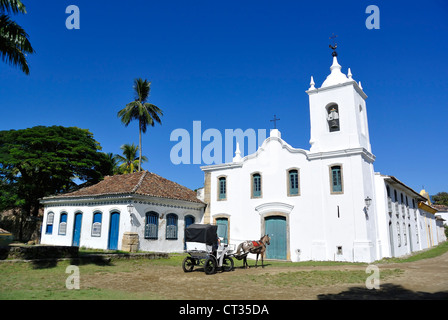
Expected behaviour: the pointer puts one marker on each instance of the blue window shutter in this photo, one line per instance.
(63, 224)
(336, 178)
(222, 188)
(50, 220)
(96, 225)
(152, 225)
(97, 217)
(293, 182)
(171, 226)
(256, 185)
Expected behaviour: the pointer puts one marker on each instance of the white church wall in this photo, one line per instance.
(316, 230)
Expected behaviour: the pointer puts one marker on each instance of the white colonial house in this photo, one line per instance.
(138, 211)
(326, 203)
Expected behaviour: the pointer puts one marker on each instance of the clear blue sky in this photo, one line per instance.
(234, 64)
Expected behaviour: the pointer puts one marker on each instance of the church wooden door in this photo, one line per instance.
(275, 227)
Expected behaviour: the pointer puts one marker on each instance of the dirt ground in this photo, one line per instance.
(424, 279)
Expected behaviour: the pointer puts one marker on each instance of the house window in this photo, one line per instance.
(171, 226)
(389, 200)
(293, 182)
(256, 185)
(333, 118)
(151, 225)
(398, 234)
(405, 235)
(336, 179)
(49, 227)
(222, 188)
(63, 224)
(96, 225)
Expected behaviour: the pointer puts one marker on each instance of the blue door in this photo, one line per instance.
(113, 231)
(223, 226)
(77, 230)
(276, 229)
(189, 220)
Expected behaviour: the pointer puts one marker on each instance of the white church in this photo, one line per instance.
(326, 203)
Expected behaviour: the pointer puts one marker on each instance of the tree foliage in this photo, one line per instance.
(14, 41)
(42, 161)
(129, 160)
(146, 113)
(440, 198)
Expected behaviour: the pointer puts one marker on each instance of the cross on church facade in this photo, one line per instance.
(275, 121)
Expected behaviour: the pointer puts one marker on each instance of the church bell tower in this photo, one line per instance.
(338, 112)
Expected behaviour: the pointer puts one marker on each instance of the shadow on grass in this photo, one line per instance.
(387, 291)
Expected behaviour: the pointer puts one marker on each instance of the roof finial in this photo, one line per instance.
(312, 87)
(349, 75)
(237, 157)
(334, 46)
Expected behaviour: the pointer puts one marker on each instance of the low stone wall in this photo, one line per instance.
(38, 252)
(43, 252)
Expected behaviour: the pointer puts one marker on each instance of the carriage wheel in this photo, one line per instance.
(210, 265)
(227, 264)
(188, 264)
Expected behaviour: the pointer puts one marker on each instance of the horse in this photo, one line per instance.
(255, 247)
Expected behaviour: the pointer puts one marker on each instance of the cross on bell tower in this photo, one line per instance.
(275, 121)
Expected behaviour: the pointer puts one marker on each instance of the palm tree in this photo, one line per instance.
(14, 42)
(129, 160)
(146, 113)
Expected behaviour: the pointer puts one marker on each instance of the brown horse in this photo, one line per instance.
(255, 247)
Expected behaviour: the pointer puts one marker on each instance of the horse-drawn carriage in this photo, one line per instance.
(205, 249)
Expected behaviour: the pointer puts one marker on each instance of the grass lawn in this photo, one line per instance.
(28, 281)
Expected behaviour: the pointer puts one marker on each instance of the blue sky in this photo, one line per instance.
(234, 64)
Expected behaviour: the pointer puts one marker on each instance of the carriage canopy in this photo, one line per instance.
(203, 233)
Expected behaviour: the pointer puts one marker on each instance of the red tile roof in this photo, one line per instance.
(140, 183)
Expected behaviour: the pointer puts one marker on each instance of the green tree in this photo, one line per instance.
(129, 160)
(146, 113)
(14, 42)
(42, 161)
(440, 198)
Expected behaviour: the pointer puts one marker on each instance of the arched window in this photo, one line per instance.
(63, 224)
(336, 179)
(256, 185)
(151, 225)
(293, 182)
(171, 226)
(96, 224)
(333, 118)
(50, 221)
(222, 188)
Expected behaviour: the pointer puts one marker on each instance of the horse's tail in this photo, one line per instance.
(238, 250)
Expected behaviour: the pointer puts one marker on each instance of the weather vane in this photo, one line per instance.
(334, 46)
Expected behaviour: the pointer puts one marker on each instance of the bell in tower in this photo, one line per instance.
(333, 118)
